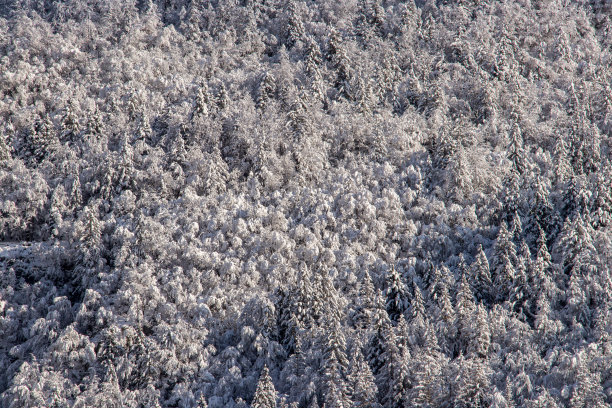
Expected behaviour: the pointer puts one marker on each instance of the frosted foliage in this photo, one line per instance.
(358, 203)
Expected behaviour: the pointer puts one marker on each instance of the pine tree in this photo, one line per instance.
(417, 306)
(76, 197)
(470, 383)
(312, 64)
(444, 312)
(57, 207)
(265, 394)
(575, 198)
(342, 65)
(143, 130)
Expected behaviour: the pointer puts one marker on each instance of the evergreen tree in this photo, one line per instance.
(361, 381)
(395, 293)
(143, 130)
(5, 150)
(312, 65)
(70, 127)
(574, 248)
(335, 368)
(265, 394)
(295, 26)
(541, 212)
(89, 237)
(466, 310)
(266, 90)
(511, 199)
(480, 277)
(575, 198)
(516, 149)
(95, 124)
(563, 169)
(417, 306)
(444, 315)
(519, 294)
(363, 316)
(42, 139)
(202, 101)
(601, 200)
(480, 343)
(504, 259)
(470, 384)
(375, 347)
(392, 380)
(587, 391)
(222, 98)
(216, 173)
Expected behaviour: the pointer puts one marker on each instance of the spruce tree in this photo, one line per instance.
(361, 381)
(480, 277)
(295, 27)
(265, 394)
(5, 151)
(265, 91)
(202, 101)
(504, 259)
(516, 149)
(466, 310)
(395, 293)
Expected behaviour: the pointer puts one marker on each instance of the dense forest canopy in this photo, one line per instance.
(270, 203)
